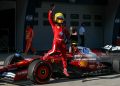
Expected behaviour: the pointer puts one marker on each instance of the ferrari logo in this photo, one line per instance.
(52, 60)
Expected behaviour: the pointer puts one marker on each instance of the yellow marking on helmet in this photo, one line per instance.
(59, 15)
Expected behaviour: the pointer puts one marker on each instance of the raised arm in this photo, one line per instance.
(50, 15)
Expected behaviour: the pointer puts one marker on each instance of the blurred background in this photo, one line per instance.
(100, 17)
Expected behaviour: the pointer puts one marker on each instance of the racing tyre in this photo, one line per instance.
(116, 65)
(13, 59)
(39, 72)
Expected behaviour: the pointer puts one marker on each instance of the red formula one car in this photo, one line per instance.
(84, 62)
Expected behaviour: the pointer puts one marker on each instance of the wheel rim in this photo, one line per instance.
(42, 72)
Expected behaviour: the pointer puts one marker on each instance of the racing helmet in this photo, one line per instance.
(59, 18)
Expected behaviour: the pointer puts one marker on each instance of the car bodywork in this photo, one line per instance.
(85, 62)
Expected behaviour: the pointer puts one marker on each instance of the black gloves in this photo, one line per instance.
(52, 6)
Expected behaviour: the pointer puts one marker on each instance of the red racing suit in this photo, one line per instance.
(58, 40)
(28, 38)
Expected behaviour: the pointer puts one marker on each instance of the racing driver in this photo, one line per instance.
(59, 37)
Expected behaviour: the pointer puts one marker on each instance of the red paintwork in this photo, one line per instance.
(20, 75)
(55, 58)
(97, 52)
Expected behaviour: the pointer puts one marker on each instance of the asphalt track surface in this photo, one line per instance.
(107, 80)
